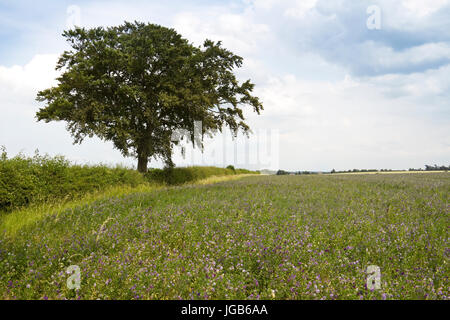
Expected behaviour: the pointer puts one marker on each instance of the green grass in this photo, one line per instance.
(259, 237)
(12, 222)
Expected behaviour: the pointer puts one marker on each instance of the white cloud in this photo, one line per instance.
(416, 86)
(352, 123)
(300, 8)
(237, 32)
(37, 74)
(384, 59)
(20, 132)
(422, 8)
(19, 85)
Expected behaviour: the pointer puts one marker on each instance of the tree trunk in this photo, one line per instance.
(142, 163)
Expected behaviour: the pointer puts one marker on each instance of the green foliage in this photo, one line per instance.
(436, 168)
(188, 174)
(26, 180)
(231, 167)
(135, 84)
(245, 171)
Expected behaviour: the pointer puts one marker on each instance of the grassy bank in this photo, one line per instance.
(21, 218)
(43, 180)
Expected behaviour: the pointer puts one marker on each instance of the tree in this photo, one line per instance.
(135, 84)
(231, 167)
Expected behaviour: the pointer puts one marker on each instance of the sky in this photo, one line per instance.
(345, 84)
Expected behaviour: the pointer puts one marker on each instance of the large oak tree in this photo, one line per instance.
(135, 84)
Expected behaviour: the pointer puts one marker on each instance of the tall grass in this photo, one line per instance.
(26, 216)
(21, 218)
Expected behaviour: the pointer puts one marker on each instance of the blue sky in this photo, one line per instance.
(339, 95)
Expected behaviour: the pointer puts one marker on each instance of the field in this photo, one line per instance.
(258, 237)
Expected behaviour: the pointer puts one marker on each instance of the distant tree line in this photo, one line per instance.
(282, 172)
(427, 168)
(360, 170)
(432, 168)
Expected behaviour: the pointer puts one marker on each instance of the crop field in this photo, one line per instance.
(257, 237)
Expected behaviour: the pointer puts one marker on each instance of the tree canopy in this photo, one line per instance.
(135, 84)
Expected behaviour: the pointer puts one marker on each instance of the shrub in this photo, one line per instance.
(231, 167)
(25, 180)
(175, 176)
(245, 171)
